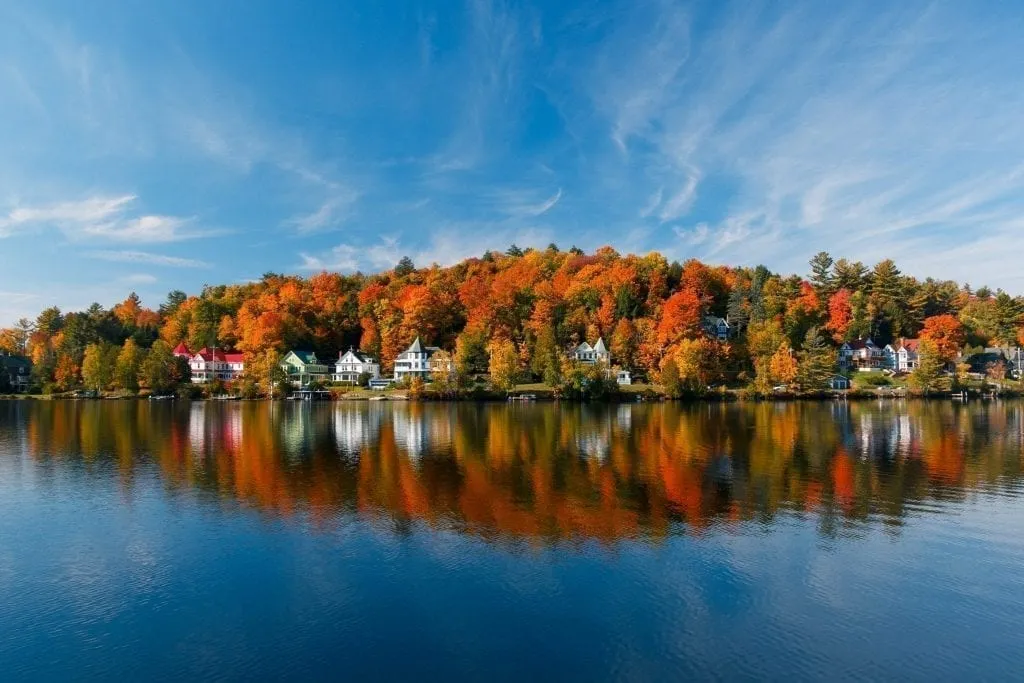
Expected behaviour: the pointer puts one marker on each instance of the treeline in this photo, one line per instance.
(526, 309)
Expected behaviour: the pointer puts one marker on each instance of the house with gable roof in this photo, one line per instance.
(415, 361)
(207, 365)
(902, 356)
(352, 364)
(717, 327)
(589, 355)
(303, 367)
(18, 370)
(862, 355)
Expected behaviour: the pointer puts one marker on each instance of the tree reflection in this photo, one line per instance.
(540, 472)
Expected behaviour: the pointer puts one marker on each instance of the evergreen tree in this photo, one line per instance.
(817, 362)
(513, 250)
(847, 275)
(405, 267)
(739, 307)
(821, 272)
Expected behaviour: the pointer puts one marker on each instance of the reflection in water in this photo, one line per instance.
(545, 472)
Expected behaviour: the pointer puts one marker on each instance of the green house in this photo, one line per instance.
(303, 367)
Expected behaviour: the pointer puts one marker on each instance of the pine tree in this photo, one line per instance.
(405, 267)
(821, 272)
(817, 362)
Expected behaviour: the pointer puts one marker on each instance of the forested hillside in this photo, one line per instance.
(543, 302)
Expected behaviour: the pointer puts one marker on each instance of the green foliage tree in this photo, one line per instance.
(928, 373)
(817, 362)
(98, 365)
(405, 267)
(158, 369)
(504, 365)
(821, 273)
(671, 382)
(126, 370)
(471, 356)
(545, 360)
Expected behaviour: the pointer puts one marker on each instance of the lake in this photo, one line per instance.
(407, 541)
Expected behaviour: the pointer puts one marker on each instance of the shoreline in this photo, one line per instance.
(730, 396)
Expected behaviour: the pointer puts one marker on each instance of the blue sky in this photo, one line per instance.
(167, 144)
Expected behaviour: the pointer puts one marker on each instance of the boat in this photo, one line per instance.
(166, 397)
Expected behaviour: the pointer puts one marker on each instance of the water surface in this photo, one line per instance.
(436, 542)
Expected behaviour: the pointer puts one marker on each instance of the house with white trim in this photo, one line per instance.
(719, 328)
(415, 361)
(303, 367)
(862, 355)
(589, 355)
(352, 364)
(902, 356)
(207, 365)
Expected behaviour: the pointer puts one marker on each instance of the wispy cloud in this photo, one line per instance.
(147, 258)
(140, 279)
(99, 217)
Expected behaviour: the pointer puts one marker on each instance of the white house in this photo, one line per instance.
(352, 364)
(208, 365)
(902, 356)
(415, 361)
(719, 328)
(598, 353)
(623, 378)
(862, 354)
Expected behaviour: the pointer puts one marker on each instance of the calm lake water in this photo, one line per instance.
(399, 541)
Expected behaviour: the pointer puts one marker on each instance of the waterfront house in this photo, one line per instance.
(414, 361)
(207, 365)
(839, 383)
(623, 378)
(351, 365)
(717, 327)
(18, 370)
(1010, 358)
(303, 367)
(902, 356)
(862, 355)
(1014, 356)
(589, 355)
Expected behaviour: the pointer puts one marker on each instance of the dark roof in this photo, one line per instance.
(15, 362)
(306, 357)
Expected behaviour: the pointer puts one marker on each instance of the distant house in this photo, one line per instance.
(210, 364)
(623, 378)
(303, 367)
(181, 351)
(839, 383)
(589, 355)
(1014, 356)
(902, 356)
(18, 369)
(719, 328)
(351, 365)
(414, 361)
(863, 355)
(1011, 358)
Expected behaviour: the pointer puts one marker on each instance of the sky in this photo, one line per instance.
(173, 143)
